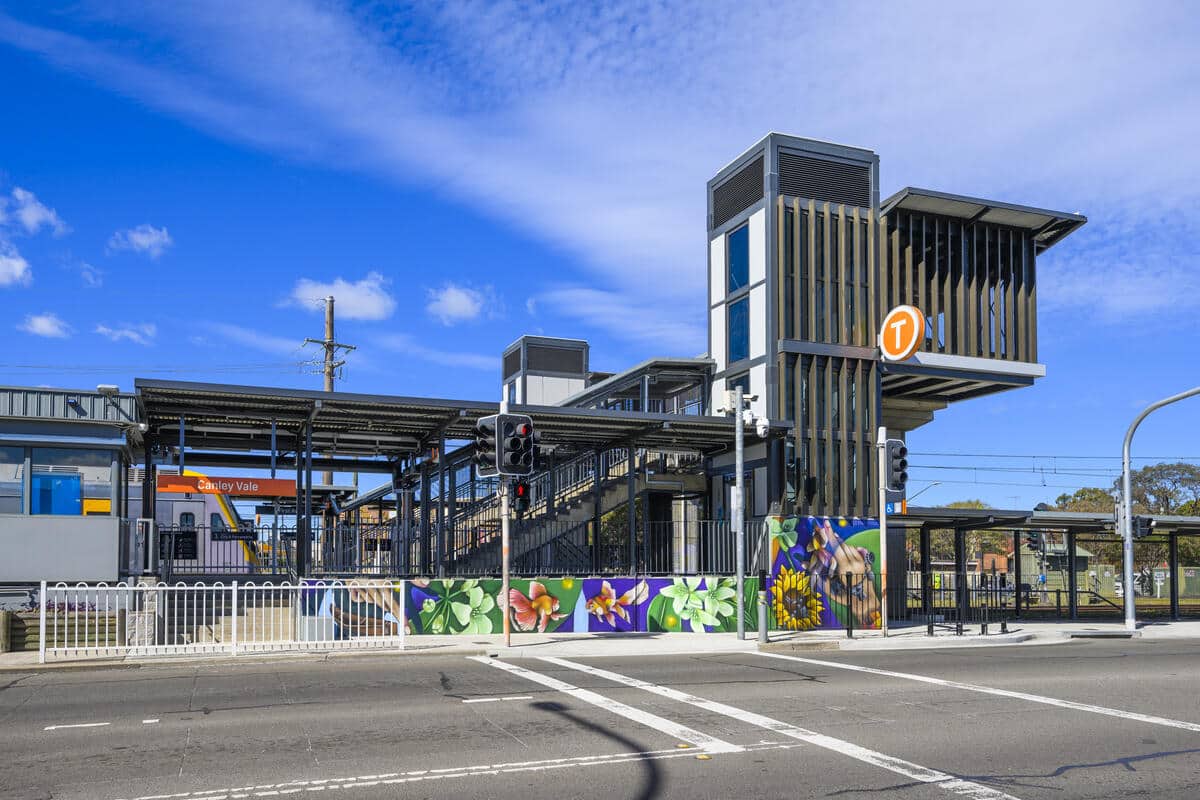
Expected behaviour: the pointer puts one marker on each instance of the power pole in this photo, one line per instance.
(332, 365)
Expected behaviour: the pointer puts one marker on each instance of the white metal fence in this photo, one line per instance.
(116, 620)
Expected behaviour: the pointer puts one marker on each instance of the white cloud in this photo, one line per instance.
(453, 303)
(33, 215)
(407, 345)
(364, 299)
(265, 342)
(141, 333)
(14, 270)
(47, 324)
(145, 238)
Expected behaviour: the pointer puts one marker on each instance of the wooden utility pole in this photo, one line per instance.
(332, 365)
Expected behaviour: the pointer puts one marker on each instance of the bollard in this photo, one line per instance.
(929, 625)
(849, 609)
(1058, 602)
(762, 606)
(958, 628)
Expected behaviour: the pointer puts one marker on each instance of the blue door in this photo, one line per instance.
(57, 494)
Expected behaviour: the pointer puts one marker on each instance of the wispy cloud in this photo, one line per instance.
(145, 239)
(362, 299)
(634, 321)
(48, 324)
(139, 333)
(257, 340)
(408, 345)
(518, 109)
(92, 277)
(453, 303)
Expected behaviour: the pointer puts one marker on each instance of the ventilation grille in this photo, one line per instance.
(512, 363)
(742, 190)
(818, 179)
(554, 359)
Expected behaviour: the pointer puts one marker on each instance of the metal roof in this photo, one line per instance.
(228, 417)
(1048, 227)
(671, 374)
(1078, 521)
(66, 405)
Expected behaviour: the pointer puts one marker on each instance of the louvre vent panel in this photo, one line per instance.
(742, 190)
(818, 179)
(512, 363)
(554, 359)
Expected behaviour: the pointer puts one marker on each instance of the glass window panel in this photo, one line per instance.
(71, 481)
(12, 480)
(739, 258)
(739, 330)
(742, 380)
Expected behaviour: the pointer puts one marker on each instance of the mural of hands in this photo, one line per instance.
(846, 573)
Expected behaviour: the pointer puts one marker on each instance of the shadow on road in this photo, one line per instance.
(652, 777)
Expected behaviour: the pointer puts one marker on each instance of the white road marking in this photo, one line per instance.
(393, 778)
(959, 786)
(497, 699)
(77, 725)
(149, 721)
(971, 687)
(669, 727)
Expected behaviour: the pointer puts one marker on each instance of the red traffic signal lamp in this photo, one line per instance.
(522, 494)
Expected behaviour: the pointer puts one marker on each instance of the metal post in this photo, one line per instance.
(926, 575)
(181, 428)
(739, 505)
(441, 509)
(42, 625)
(504, 546)
(1016, 574)
(233, 622)
(631, 505)
(960, 575)
(762, 605)
(597, 521)
(881, 458)
(452, 505)
(1072, 578)
(1127, 499)
(304, 534)
(1173, 565)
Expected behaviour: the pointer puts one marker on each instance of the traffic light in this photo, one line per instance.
(1033, 540)
(897, 465)
(1142, 526)
(486, 453)
(517, 442)
(521, 493)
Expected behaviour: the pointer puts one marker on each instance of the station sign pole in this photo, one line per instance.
(881, 447)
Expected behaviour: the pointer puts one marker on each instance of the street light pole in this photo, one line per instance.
(1127, 500)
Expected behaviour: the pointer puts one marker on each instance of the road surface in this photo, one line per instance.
(1080, 720)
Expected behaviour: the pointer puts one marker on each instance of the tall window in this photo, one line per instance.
(739, 330)
(738, 244)
(12, 479)
(70, 481)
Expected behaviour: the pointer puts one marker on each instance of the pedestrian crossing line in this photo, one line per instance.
(916, 772)
(972, 687)
(674, 729)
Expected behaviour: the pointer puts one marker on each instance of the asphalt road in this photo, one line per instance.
(1080, 720)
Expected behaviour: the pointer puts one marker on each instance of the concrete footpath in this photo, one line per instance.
(650, 644)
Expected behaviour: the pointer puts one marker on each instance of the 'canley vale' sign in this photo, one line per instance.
(236, 487)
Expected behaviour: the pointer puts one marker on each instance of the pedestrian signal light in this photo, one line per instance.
(522, 496)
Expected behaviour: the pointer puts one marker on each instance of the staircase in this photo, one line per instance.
(553, 535)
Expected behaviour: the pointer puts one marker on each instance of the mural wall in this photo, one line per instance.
(822, 573)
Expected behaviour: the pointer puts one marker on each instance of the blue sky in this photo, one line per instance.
(180, 185)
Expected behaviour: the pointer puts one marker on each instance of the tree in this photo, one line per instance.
(1164, 488)
(1087, 499)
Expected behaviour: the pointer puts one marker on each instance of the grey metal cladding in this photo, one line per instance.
(555, 359)
(822, 179)
(512, 363)
(740, 191)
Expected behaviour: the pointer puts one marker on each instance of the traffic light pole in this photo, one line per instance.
(881, 447)
(1127, 500)
(739, 508)
(504, 540)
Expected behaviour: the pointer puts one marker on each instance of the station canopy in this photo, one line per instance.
(1082, 522)
(366, 432)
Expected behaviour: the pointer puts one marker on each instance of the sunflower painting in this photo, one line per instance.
(797, 606)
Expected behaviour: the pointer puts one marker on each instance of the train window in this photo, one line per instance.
(187, 520)
(217, 523)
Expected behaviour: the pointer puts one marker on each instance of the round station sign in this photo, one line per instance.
(902, 332)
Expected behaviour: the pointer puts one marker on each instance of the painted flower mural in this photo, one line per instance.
(797, 607)
(608, 607)
(536, 610)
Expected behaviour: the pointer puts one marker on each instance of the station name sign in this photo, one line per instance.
(237, 487)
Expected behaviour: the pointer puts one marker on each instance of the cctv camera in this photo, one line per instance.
(108, 389)
(762, 427)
